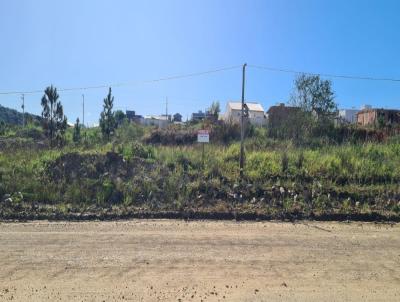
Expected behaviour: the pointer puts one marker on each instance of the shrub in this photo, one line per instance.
(30, 131)
(136, 149)
(128, 132)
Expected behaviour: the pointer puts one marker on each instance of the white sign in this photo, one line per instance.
(203, 136)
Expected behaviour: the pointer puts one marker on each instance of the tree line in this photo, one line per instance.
(313, 95)
(54, 122)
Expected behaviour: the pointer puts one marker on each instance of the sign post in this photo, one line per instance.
(203, 137)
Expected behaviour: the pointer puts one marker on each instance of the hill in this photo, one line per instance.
(13, 117)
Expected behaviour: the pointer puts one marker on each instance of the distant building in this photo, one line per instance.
(256, 114)
(132, 117)
(198, 116)
(373, 116)
(177, 117)
(278, 115)
(348, 115)
(130, 114)
(160, 121)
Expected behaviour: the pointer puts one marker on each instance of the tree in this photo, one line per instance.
(214, 110)
(76, 137)
(54, 121)
(107, 120)
(314, 95)
(119, 117)
(3, 127)
(316, 100)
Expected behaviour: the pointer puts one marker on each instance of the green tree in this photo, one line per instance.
(107, 120)
(76, 137)
(316, 100)
(313, 94)
(3, 127)
(54, 121)
(119, 117)
(214, 110)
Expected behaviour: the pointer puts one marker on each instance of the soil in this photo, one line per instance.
(174, 260)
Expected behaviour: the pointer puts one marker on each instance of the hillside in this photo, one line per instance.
(13, 117)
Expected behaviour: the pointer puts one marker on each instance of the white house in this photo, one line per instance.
(348, 115)
(160, 121)
(234, 110)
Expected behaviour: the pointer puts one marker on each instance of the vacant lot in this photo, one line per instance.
(169, 260)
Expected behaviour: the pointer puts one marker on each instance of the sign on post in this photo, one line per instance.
(203, 136)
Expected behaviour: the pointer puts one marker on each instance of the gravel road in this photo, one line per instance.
(171, 260)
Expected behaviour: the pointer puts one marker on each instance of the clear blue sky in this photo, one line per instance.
(84, 43)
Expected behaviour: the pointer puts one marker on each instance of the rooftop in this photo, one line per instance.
(253, 106)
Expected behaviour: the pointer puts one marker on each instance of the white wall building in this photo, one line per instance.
(348, 115)
(234, 110)
(156, 120)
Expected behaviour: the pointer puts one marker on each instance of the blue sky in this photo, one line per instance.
(85, 43)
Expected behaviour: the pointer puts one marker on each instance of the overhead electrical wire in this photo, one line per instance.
(328, 75)
(194, 74)
(168, 78)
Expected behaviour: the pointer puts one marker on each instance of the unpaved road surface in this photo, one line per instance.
(170, 260)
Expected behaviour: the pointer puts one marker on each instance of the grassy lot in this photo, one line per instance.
(131, 175)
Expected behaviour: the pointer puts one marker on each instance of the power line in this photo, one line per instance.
(175, 77)
(328, 75)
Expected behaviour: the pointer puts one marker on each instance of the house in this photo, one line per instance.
(280, 114)
(256, 114)
(130, 114)
(168, 117)
(198, 116)
(348, 115)
(132, 117)
(160, 121)
(374, 116)
(177, 117)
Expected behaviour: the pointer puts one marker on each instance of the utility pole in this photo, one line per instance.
(23, 110)
(166, 109)
(242, 124)
(83, 109)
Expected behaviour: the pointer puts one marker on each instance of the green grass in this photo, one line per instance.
(335, 178)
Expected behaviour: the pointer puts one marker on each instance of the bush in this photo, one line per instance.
(136, 149)
(127, 132)
(172, 135)
(30, 131)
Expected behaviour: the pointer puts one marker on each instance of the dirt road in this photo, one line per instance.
(169, 260)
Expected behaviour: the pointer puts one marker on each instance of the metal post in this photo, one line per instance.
(202, 157)
(242, 124)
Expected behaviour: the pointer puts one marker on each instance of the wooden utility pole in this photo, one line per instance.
(242, 124)
(166, 109)
(83, 110)
(23, 110)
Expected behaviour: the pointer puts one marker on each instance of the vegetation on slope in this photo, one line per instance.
(128, 175)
